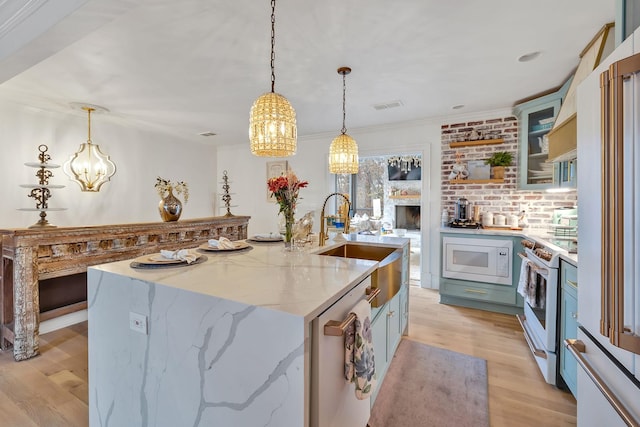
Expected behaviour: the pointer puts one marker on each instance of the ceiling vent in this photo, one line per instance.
(387, 105)
(207, 133)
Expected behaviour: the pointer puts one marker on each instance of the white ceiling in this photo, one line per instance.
(189, 66)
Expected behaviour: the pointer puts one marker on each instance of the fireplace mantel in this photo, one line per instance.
(31, 255)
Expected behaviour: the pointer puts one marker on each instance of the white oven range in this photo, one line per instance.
(539, 321)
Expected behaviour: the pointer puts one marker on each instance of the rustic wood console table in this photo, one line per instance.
(31, 255)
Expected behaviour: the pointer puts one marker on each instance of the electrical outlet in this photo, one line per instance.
(138, 322)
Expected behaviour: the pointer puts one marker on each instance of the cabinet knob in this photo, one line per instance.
(391, 314)
(573, 314)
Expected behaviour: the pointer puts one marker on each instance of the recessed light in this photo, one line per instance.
(457, 107)
(529, 56)
(207, 133)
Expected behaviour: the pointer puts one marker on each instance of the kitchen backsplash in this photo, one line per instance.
(505, 197)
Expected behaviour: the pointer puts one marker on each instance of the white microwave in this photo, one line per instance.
(480, 260)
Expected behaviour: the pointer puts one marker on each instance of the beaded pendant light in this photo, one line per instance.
(272, 121)
(343, 152)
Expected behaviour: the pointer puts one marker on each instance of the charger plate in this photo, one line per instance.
(238, 245)
(150, 262)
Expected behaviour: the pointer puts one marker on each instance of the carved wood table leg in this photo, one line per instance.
(6, 303)
(26, 308)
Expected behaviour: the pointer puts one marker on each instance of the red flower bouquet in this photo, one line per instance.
(285, 189)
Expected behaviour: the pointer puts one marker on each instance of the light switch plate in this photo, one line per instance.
(138, 322)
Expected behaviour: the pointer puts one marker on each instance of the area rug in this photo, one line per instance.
(429, 386)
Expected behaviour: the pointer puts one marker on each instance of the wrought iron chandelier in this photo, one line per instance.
(343, 152)
(89, 166)
(272, 121)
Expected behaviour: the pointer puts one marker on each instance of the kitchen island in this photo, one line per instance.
(224, 342)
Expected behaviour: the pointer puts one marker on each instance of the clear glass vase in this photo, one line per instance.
(287, 235)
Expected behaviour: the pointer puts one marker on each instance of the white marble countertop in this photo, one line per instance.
(299, 283)
(533, 234)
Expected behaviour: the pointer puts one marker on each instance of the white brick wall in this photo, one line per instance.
(502, 198)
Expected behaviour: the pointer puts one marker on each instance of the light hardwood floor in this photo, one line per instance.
(51, 389)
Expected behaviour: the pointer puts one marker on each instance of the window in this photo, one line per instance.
(366, 185)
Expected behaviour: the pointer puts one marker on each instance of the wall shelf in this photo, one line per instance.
(478, 142)
(406, 196)
(476, 181)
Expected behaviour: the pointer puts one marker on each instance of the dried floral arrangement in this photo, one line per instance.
(165, 186)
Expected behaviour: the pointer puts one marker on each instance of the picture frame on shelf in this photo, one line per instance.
(478, 169)
(275, 169)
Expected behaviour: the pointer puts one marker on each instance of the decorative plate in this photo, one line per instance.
(159, 259)
(154, 261)
(271, 237)
(237, 246)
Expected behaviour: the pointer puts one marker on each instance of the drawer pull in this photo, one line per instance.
(336, 329)
(391, 314)
(573, 314)
(572, 283)
(475, 291)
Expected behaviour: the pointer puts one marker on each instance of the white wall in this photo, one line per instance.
(130, 196)
(141, 156)
(248, 175)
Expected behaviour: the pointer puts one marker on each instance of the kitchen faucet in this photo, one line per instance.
(323, 236)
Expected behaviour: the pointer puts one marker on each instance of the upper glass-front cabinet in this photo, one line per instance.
(536, 118)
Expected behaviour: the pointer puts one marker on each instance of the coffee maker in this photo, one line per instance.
(462, 210)
(462, 217)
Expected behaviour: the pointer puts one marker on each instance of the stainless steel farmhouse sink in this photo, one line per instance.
(387, 277)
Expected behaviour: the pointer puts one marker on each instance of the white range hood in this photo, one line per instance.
(562, 137)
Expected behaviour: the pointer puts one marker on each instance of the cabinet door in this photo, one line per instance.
(379, 336)
(404, 310)
(536, 119)
(406, 253)
(393, 326)
(566, 173)
(568, 329)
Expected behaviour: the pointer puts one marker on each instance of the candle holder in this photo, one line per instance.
(41, 192)
(226, 196)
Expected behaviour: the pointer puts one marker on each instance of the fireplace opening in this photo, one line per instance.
(408, 216)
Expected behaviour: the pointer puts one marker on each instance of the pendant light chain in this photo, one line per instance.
(344, 101)
(89, 125)
(273, 44)
(272, 119)
(343, 151)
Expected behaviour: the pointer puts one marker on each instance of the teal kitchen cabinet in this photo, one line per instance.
(568, 323)
(500, 298)
(535, 120)
(387, 330)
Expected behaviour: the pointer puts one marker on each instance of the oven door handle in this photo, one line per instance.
(541, 270)
(536, 351)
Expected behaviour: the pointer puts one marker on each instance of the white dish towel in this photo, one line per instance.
(523, 282)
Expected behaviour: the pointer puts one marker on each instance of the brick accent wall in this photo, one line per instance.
(505, 197)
